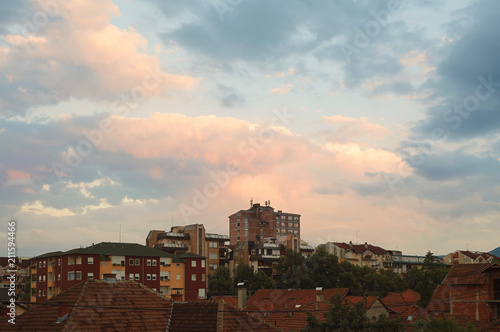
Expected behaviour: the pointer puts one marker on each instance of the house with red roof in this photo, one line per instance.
(97, 305)
(399, 302)
(470, 257)
(361, 254)
(471, 291)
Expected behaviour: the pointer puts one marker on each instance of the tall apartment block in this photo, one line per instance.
(192, 239)
(259, 222)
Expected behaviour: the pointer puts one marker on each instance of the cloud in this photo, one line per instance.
(282, 90)
(37, 207)
(81, 42)
(347, 129)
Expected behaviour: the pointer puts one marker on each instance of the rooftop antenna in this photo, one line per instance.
(467, 246)
(120, 237)
(251, 202)
(357, 237)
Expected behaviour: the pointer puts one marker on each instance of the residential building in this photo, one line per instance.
(361, 254)
(471, 291)
(57, 271)
(196, 276)
(399, 302)
(404, 263)
(469, 257)
(96, 305)
(260, 222)
(265, 254)
(20, 267)
(193, 239)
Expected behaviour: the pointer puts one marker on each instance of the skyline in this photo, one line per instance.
(370, 119)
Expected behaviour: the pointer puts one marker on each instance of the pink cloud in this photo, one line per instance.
(282, 90)
(16, 175)
(352, 128)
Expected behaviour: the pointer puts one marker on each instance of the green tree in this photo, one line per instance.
(220, 283)
(441, 325)
(346, 317)
(255, 281)
(292, 270)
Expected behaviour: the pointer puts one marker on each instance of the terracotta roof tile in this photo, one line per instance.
(265, 300)
(466, 274)
(399, 302)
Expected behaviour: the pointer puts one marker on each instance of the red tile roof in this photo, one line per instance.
(399, 302)
(229, 299)
(98, 305)
(410, 315)
(466, 274)
(213, 316)
(265, 300)
(440, 301)
(360, 248)
(4, 262)
(370, 300)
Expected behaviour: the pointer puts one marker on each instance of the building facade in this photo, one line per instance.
(260, 222)
(192, 239)
(196, 276)
(469, 257)
(55, 272)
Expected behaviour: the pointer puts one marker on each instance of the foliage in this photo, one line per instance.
(346, 318)
(220, 283)
(255, 281)
(441, 325)
(292, 271)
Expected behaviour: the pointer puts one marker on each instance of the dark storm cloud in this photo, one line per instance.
(467, 106)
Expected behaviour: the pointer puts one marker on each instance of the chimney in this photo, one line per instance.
(242, 295)
(366, 245)
(62, 312)
(320, 297)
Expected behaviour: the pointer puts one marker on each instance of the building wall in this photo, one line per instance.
(192, 287)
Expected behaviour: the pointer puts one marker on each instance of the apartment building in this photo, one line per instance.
(260, 222)
(196, 276)
(54, 272)
(192, 239)
(21, 268)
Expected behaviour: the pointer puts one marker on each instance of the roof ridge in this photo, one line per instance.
(72, 311)
(220, 316)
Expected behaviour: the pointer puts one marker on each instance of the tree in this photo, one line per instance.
(346, 317)
(292, 270)
(442, 325)
(255, 281)
(220, 283)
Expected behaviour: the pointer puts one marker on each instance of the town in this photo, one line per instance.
(260, 277)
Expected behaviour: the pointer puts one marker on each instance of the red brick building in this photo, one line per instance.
(471, 291)
(196, 276)
(260, 222)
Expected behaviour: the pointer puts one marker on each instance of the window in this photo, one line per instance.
(154, 262)
(39, 278)
(90, 260)
(148, 262)
(78, 275)
(131, 261)
(148, 276)
(193, 277)
(39, 264)
(39, 293)
(79, 260)
(59, 277)
(212, 266)
(71, 260)
(154, 276)
(43, 278)
(59, 262)
(203, 277)
(203, 263)
(137, 262)
(178, 277)
(193, 263)
(44, 292)
(213, 255)
(137, 276)
(71, 275)
(131, 276)
(44, 263)
(212, 244)
(177, 265)
(90, 275)
(253, 252)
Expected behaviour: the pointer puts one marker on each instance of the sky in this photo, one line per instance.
(376, 121)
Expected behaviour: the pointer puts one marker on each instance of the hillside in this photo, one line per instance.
(496, 252)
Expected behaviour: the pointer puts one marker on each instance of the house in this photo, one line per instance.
(55, 272)
(372, 306)
(97, 305)
(469, 257)
(361, 254)
(20, 267)
(471, 291)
